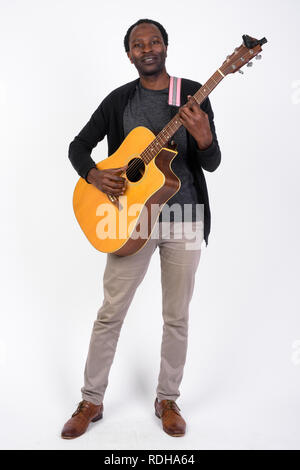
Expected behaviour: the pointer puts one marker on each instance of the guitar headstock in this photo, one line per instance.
(242, 55)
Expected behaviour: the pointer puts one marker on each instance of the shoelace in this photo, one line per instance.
(81, 405)
(171, 405)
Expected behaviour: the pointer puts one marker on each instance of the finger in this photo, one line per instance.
(186, 111)
(110, 190)
(196, 108)
(186, 115)
(115, 174)
(110, 177)
(120, 169)
(185, 121)
(182, 116)
(203, 113)
(193, 104)
(114, 184)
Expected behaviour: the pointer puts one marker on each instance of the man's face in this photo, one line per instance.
(147, 50)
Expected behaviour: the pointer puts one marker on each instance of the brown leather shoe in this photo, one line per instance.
(77, 425)
(172, 421)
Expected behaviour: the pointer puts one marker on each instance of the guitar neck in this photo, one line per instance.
(169, 130)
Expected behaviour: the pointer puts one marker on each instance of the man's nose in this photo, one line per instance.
(147, 48)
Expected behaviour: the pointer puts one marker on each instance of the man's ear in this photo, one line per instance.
(129, 56)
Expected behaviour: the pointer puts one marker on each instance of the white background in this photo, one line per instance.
(240, 388)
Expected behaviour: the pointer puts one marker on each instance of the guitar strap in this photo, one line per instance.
(174, 91)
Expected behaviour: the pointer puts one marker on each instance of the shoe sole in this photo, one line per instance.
(94, 420)
(170, 434)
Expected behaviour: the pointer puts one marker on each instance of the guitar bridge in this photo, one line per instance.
(115, 200)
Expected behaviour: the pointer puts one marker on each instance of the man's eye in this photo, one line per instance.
(139, 44)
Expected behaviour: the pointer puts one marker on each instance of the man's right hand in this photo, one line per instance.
(108, 180)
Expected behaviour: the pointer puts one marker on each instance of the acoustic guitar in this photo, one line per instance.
(123, 224)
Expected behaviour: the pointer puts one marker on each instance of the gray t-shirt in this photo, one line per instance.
(150, 108)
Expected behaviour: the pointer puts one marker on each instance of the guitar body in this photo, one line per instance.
(112, 225)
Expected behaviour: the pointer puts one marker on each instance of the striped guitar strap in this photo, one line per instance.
(174, 91)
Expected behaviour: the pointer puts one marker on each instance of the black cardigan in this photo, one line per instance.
(107, 120)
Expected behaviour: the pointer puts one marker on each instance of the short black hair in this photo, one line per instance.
(145, 20)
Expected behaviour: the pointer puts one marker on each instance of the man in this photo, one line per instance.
(145, 102)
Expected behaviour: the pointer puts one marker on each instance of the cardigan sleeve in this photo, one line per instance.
(81, 147)
(210, 158)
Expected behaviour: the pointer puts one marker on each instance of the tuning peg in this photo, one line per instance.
(241, 71)
(258, 57)
(249, 64)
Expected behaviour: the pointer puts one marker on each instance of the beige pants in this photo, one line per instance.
(179, 259)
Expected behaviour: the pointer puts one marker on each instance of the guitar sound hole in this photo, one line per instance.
(135, 170)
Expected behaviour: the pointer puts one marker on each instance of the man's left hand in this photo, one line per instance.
(196, 122)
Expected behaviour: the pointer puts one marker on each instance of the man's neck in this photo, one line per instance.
(155, 82)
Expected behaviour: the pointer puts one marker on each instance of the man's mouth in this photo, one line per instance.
(149, 60)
